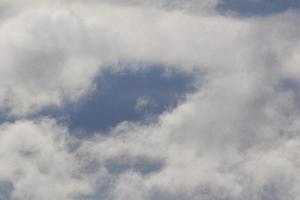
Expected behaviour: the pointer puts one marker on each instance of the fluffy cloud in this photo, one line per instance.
(36, 161)
(67, 45)
(41, 66)
(42, 161)
(235, 138)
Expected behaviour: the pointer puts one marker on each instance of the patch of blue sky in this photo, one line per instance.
(134, 95)
(257, 7)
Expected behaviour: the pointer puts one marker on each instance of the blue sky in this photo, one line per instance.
(258, 7)
(117, 94)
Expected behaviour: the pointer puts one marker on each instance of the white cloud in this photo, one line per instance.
(66, 46)
(144, 104)
(44, 60)
(235, 138)
(35, 159)
(43, 161)
(189, 6)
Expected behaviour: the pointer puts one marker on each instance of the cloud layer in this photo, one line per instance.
(236, 137)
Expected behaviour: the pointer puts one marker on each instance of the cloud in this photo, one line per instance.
(43, 61)
(188, 6)
(143, 103)
(68, 46)
(36, 161)
(235, 138)
(45, 162)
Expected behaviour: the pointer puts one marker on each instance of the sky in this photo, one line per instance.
(250, 8)
(149, 100)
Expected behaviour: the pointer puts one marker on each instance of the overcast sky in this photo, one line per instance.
(149, 99)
